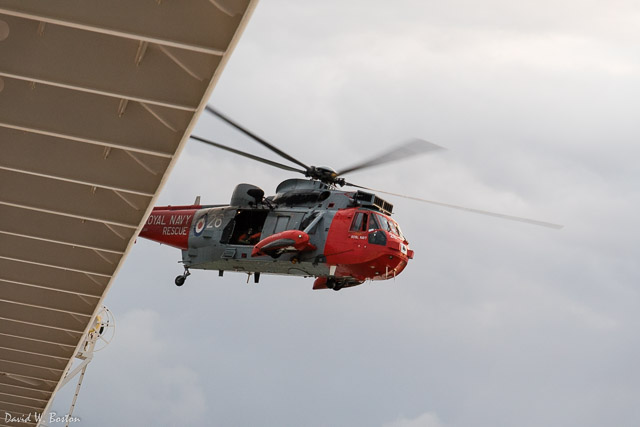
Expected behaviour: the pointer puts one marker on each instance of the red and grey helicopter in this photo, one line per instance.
(311, 227)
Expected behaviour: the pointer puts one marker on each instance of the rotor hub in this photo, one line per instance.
(325, 174)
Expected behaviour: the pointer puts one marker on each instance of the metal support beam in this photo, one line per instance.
(75, 372)
(34, 353)
(114, 32)
(81, 295)
(93, 273)
(37, 408)
(22, 387)
(25, 397)
(76, 181)
(180, 63)
(141, 163)
(87, 140)
(71, 331)
(82, 217)
(26, 379)
(37, 340)
(60, 242)
(73, 313)
(53, 370)
(85, 89)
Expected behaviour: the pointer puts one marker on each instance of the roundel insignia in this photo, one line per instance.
(198, 228)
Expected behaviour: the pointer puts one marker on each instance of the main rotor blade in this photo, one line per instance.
(410, 148)
(462, 208)
(250, 156)
(254, 136)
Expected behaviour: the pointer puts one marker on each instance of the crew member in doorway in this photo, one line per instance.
(249, 238)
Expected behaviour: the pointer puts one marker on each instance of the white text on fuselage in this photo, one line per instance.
(177, 221)
(162, 219)
(175, 231)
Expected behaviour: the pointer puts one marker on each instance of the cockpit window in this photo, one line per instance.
(384, 223)
(368, 221)
(399, 231)
(359, 222)
(389, 225)
(373, 224)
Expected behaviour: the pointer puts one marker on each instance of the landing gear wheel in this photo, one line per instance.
(180, 279)
(337, 286)
(331, 283)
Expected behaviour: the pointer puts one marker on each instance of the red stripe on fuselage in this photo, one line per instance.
(169, 226)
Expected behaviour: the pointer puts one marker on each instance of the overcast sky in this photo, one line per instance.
(494, 323)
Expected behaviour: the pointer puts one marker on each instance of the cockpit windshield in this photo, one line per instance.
(399, 231)
(389, 225)
(369, 221)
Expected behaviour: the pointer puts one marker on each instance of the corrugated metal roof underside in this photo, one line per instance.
(96, 98)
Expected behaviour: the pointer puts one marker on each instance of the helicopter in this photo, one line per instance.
(311, 227)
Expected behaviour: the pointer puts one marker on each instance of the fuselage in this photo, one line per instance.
(307, 229)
